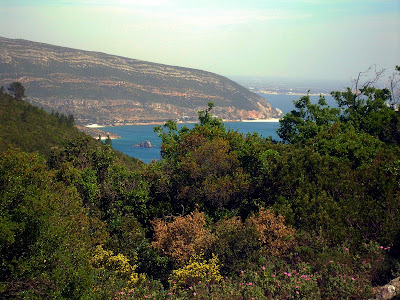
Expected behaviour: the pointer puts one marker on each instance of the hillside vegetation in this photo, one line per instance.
(222, 215)
(33, 130)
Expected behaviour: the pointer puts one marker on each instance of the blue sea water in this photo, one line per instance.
(134, 134)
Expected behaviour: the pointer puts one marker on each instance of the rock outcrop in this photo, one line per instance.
(389, 291)
(145, 144)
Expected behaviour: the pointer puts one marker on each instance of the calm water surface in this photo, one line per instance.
(134, 134)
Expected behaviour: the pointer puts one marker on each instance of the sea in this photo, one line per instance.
(132, 135)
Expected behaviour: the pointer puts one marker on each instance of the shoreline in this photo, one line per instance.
(272, 120)
(95, 132)
(292, 94)
(94, 126)
(111, 138)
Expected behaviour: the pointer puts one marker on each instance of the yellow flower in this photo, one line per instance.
(197, 269)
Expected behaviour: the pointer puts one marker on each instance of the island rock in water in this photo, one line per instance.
(145, 144)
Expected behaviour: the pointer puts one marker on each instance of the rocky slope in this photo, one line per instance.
(107, 89)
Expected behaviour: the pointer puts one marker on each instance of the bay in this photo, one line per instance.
(132, 135)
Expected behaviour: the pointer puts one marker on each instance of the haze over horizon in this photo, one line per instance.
(303, 39)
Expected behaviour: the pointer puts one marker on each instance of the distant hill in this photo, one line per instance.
(107, 89)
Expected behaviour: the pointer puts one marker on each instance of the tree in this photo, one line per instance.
(45, 234)
(394, 82)
(108, 141)
(17, 90)
(307, 120)
(368, 112)
(206, 118)
(70, 121)
(365, 108)
(62, 119)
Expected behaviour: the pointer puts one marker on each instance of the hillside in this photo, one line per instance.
(101, 88)
(31, 129)
(221, 215)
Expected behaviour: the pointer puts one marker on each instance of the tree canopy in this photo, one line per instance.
(221, 215)
(17, 90)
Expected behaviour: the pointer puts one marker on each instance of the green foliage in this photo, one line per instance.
(31, 128)
(317, 207)
(44, 231)
(205, 170)
(131, 241)
(84, 152)
(357, 147)
(123, 193)
(108, 141)
(366, 111)
(369, 112)
(307, 121)
(237, 245)
(88, 187)
(205, 118)
(17, 90)
(63, 119)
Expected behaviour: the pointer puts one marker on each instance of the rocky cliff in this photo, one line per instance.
(107, 89)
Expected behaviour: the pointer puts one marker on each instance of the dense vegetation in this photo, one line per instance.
(221, 216)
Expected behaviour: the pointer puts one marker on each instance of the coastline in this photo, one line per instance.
(292, 94)
(114, 137)
(272, 120)
(95, 132)
(96, 126)
(93, 126)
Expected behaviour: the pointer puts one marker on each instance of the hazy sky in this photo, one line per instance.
(271, 38)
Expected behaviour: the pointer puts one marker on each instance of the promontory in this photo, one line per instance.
(108, 89)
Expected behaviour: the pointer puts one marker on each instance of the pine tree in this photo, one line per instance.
(108, 141)
(17, 90)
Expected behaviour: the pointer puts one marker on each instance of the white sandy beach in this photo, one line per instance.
(263, 120)
(94, 126)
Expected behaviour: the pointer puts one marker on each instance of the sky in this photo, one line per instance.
(301, 39)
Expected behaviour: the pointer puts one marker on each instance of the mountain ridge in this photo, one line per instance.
(108, 89)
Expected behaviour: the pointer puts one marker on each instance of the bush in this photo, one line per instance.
(274, 235)
(195, 271)
(236, 245)
(182, 237)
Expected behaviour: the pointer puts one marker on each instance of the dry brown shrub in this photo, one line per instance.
(275, 236)
(182, 237)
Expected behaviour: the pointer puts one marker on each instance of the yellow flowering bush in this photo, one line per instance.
(118, 265)
(198, 269)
